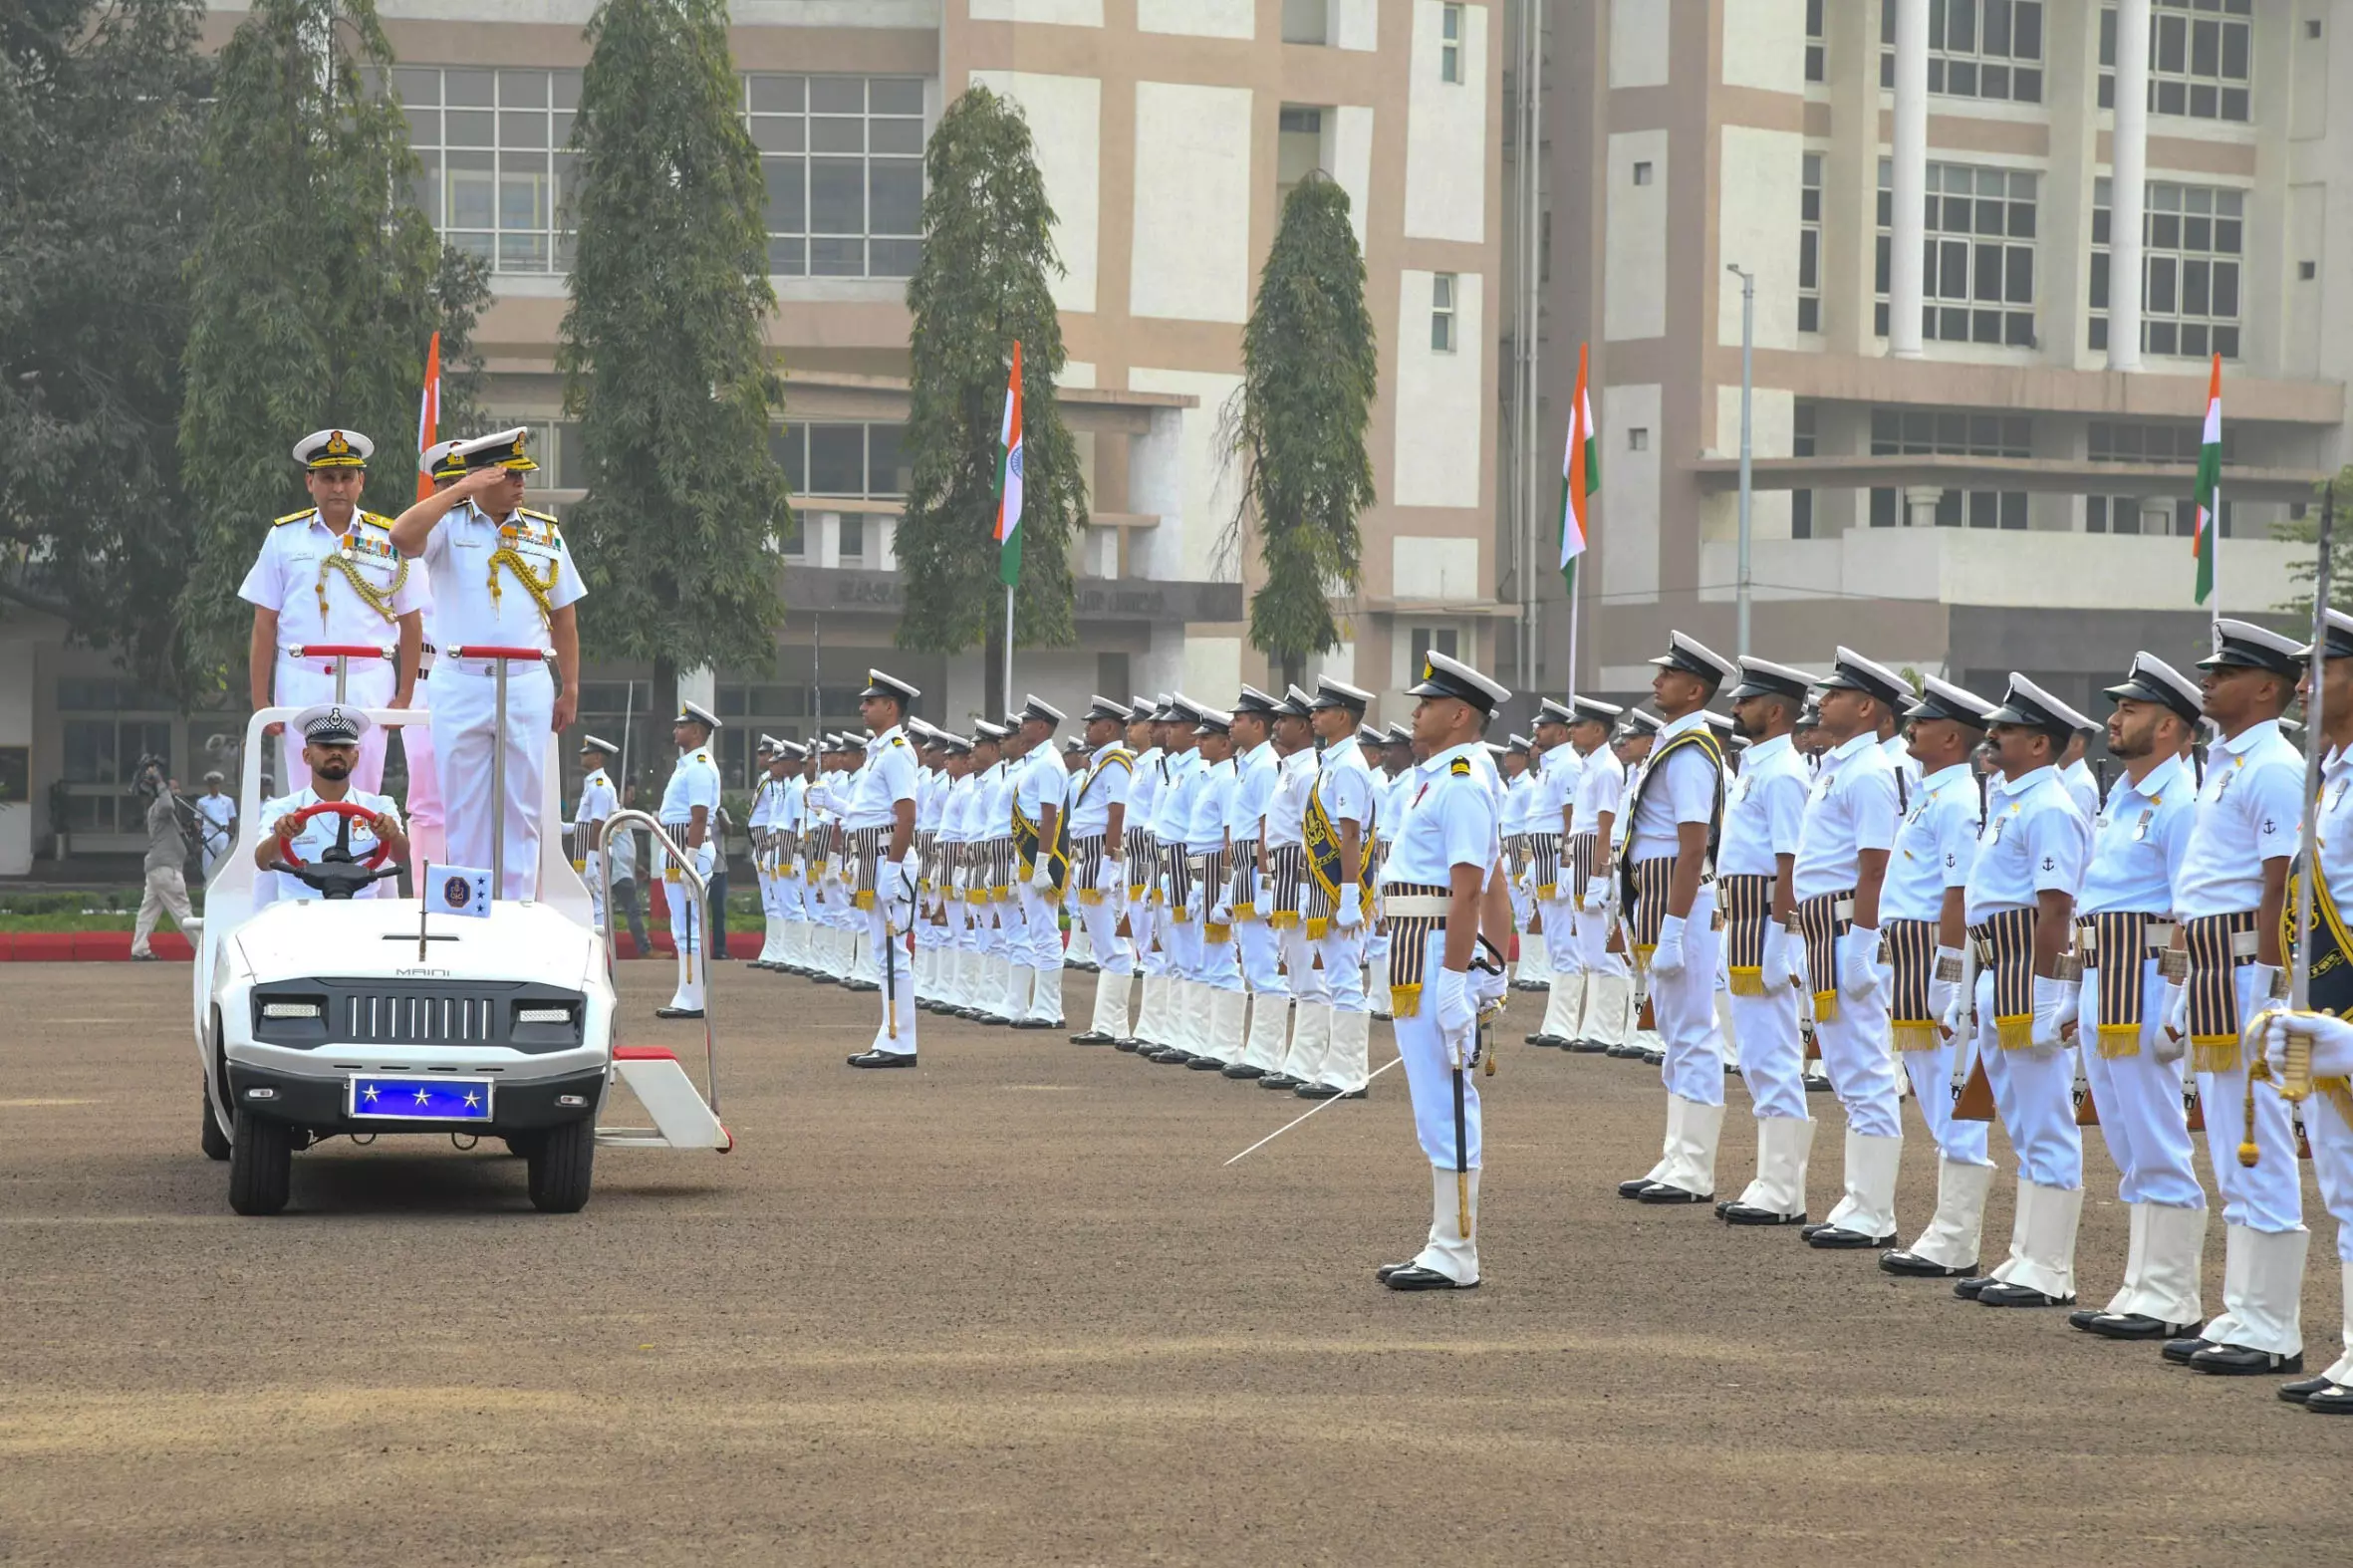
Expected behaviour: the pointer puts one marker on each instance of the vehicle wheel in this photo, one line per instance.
(520, 1145)
(215, 1142)
(261, 1164)
(562, 1162)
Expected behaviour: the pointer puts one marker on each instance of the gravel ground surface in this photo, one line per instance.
(1010, 1307)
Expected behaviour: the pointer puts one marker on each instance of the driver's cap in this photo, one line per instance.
(331, 725)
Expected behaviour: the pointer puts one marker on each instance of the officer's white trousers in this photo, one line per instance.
(1854, 1043)
(2269, 1198)
(2140, 1103)
(1772, 1053)
(1683, 1006)
(302, 682)
(465, 737)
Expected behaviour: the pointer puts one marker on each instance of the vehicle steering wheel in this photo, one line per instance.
(350, 812)
(336, 874)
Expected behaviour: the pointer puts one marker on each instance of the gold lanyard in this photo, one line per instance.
(507, 555)
(339, 560)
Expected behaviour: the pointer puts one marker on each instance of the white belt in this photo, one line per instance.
(1416, 907)
(2157, 936)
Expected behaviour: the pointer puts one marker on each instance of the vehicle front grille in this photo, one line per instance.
(520, 1015)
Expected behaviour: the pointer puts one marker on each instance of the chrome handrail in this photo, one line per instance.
(687, 874)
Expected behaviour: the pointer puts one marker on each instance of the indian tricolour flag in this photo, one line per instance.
(1009, 480)
(2210, 485)
(1580, 477)
(428, 414)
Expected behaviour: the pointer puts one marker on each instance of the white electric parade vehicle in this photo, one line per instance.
(364, 1016)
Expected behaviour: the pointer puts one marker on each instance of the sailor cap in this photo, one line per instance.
(1695, 658)
(1037, 710)
(879, 684)
(1549, 711)
(1593, 710)
(696, 714)
(502, 450)
(1640, 722)
(2338, 637)
(2241, 645)
(1099, 706)
(2152, 679)
(334, 450)
(1330, 692)
(331, 725)
(1940, 699)
(1762, 678)
(1851, 672)
(599, 743)
(1295, 703)
(985, 734)
(1443, 677)
(1520, 744)
(1253, 700)
(2028, 705)
(440, 462)
(1214, 721)
(1401, 733)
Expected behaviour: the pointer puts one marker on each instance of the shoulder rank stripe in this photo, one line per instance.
(539, 516)
(295, 517)
(1461, 766)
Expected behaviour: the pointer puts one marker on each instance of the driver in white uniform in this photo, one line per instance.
(331, 738)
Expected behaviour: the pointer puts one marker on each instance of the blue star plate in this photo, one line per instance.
(406, 1099)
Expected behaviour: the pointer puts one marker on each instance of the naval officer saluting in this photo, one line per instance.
(501, 576)
(1432, 886)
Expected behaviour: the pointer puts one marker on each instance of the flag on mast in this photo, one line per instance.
(2210, 485)
(428, 414)
(1009, 479)
(1580, 477)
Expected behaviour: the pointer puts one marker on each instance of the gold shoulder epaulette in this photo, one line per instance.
(378, 518)
(897, 740)
(1461, 767)
(538, 516)
(296, 517)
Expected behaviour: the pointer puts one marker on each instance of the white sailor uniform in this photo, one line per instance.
(693, 781)
(1764, 811)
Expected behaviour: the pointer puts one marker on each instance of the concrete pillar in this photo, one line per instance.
(1911, 177)
(1920, 505)
(2128, 185)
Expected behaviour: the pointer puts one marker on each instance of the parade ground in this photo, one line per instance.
(1010, 1307)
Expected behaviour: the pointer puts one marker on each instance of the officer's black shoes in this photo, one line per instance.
(1131, 1045)
(1328, 1092)
(860, 985)
(884, 1059)
(2179, 1351)
(2335, 1400)
(1750, 1215)
(2004, 1294)
(1205, 1064)
(1243, 1070)
(677, 1013)
(1385, 1270)
(1662, 1193)
(1167, 1056)
(1412, 1277)
(1632, 1189)
(1652, 1058)
(2236, 1361)
(1094, 1037)
(1278, 1081)
(1037, 1023)
(2301, 1392)
(1968, 1287)
(1551, 1042)
(1912, 1267)
(1838, 1238)
(1622, 1049)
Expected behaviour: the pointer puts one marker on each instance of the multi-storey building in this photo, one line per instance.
(1973, 447)
(1169, 133)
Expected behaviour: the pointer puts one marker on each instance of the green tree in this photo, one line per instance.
(989, 251)
(663, 357)
(2306, 530)
(1297, 423)
(316, 287)
(100, 111)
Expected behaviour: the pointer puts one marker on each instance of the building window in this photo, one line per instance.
(1441, 313)
(1450, 44)
(1809, 245)
(1988, 49)
(1801, 444)
(752, 710)
(2198, 54)
(1433, 639)
(1642, 173)
(107, 726)
(865, 462)
(1914, 433)
(2174, 443)
(555, 444)
(1638, 438)
(1817, 60)
(842, 158)
(492, 174)
(1977, 276)
(1307, 21)
(2192, 238)
(1298, 150)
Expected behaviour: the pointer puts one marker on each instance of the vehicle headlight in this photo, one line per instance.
(543, 1015)
(292, 1010)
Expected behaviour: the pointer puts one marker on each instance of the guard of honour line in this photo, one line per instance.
(1846, 884)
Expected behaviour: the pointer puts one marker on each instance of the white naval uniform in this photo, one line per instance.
(1451, 821)
(1853, 807)
(1256, 773)
(467, 614)
(2083, 787)
(1764, 811)
(1188, 1020)
(1101, 896)
(960, 988)
(1342, 787)
(1607, 1017)
(2034, 842)
(1679, 787)
(1311, 998)
(1002, 935)
(2248, 812)
(1557, 772)
(886, 780)
(1219, 969)
(2324, 1113)
(315, 838)
(756, 824)
(1143, 789)
(2137, 848)
(317, 606)
(1169, 1024)
(596, 802)
(693, 781)
(1040, 782)
(218, 814)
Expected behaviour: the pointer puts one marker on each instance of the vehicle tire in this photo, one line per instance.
(520, 1145)
(563, 1160)
(261, 1164)
(213, 1140)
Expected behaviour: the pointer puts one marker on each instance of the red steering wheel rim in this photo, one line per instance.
(335, 808)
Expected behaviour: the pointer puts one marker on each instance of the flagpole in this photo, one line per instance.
(1008, 646)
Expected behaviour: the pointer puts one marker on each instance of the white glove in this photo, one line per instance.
(1221, 914)
(2051, 1005)
(1779, 969)
(1526, 879)
(1457, 1015)
(2267, 985)
(1041, 876)
(1350, 914)
(706, 857)
(1666, 958)
(1943, 996)
(1858, 961)
(1488, 991)
(1956, 1016)
(958, 878)
(1597, 895)
(896, 882)
(2332, 1041)
(2173, 1041)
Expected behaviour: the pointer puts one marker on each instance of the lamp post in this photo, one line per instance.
(1747, 385)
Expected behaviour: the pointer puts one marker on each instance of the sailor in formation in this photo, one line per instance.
(1249, 884)
(1040, 828)
(599, 800)
(879, 836)
(1337, 839)
(689, 803)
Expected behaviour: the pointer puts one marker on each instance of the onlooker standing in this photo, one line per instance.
(167, 885)
(216, 813)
